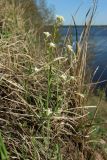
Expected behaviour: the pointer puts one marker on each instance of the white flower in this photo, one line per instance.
(36, 69)
(64, 77)
(52, 45)
(49, 111)
(47, 34)
(59, 20)
(69, 47)
(64, 93)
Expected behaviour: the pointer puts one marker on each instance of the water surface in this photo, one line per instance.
(97, 47)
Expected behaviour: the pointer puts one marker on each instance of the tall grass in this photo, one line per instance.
(43, 99)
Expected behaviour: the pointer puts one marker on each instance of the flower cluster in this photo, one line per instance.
(64, 77)
(37, 69)
(69, 48)
(59, 20)
(52, 45)
(47, 34)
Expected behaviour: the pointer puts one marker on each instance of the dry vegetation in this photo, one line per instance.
(43, 112)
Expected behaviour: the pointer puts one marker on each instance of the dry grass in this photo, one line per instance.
(42, 113)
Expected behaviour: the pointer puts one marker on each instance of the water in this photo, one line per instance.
(98, 47)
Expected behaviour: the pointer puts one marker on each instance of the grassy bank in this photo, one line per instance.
(43, 93)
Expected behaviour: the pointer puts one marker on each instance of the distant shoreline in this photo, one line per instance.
(83, 26)
(80, 26)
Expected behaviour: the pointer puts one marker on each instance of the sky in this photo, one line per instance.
(67, 8)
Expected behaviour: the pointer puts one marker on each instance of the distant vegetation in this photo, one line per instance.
(34, 14)
(45, 113)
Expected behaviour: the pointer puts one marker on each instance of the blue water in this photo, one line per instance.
(97, 46)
